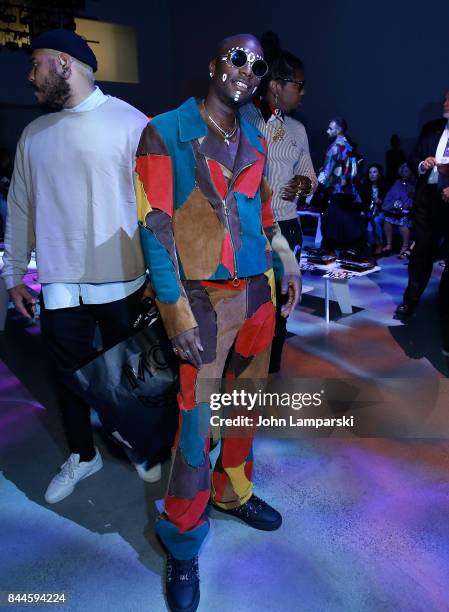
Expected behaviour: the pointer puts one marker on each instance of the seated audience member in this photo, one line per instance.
(372, 192)
(397, 208)
(394, 158)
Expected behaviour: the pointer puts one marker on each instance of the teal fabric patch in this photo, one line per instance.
(195, 429)
(160, 267)
(221, 273)
(278, 267)
(251, 258)
(182, 545)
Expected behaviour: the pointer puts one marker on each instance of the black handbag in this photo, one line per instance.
(133, 387)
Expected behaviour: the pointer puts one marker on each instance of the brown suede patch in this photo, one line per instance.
(177, 317)
(198, 237)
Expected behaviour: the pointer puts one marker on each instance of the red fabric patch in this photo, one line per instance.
(249, 470)
(227, 255)
(186, 397)
(236, 450)
(227, 285)
(178, 431)
(187, 513)
(155, 172)
(248, 181)
(267, 213)
(217, 177)
(257, 332)
(220, 481)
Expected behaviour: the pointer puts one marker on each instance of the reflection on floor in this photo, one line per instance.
(365, 520)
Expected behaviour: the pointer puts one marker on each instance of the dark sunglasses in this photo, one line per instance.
(300, 84)
(240, 57)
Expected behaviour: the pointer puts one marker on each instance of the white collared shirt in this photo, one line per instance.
(439, 156)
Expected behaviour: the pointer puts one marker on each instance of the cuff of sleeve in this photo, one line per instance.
(12, 280)
(178, 317)
(282, 248)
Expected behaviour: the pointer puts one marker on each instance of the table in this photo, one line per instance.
(340, 286)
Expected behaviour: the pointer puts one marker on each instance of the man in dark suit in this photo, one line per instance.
(430, 159)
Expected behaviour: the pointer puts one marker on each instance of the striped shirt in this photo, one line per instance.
(288, 155)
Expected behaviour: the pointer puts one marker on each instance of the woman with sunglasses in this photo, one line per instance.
(289, 168)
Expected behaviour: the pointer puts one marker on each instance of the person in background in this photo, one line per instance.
(344, 225)
(394, 158)
(5, 179)
(430, 215)
(289, 168)
(397, 207)
(372, 192)
(72, 199)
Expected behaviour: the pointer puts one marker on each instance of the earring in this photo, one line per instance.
(211, 74)
(224, 77)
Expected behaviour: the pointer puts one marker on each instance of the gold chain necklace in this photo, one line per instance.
(226, 135)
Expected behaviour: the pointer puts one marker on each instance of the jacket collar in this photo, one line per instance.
(192, 126)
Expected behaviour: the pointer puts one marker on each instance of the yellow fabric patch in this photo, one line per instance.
(270, 276)
(243, 488)
(143, 205)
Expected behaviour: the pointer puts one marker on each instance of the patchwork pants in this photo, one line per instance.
(236, 326)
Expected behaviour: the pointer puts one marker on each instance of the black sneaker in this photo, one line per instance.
(182, 584)
(255, 513)
(404, 311)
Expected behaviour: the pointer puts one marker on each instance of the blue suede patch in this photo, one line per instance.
(182, 545)
(251, 258)
(195, 429)
(221, 273)
(278, 267)
(160, 267)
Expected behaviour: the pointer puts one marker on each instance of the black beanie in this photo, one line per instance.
(68, 42)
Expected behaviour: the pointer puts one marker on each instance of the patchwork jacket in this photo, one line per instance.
(198, 220)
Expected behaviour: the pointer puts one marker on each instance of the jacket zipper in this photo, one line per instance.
(235, 280)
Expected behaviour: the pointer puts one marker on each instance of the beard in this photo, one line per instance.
(55, 92)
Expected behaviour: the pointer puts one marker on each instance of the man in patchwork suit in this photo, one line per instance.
(207, 233)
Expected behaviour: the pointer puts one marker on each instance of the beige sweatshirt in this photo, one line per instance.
(72, 197)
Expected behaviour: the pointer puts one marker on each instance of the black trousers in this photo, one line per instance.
(430, 219)
(69, 334)
(293, 234)
(443, 306)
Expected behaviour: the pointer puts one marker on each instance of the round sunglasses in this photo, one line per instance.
(239, 57)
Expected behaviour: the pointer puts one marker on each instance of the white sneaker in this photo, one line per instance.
(72, 471)
(152, 475)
